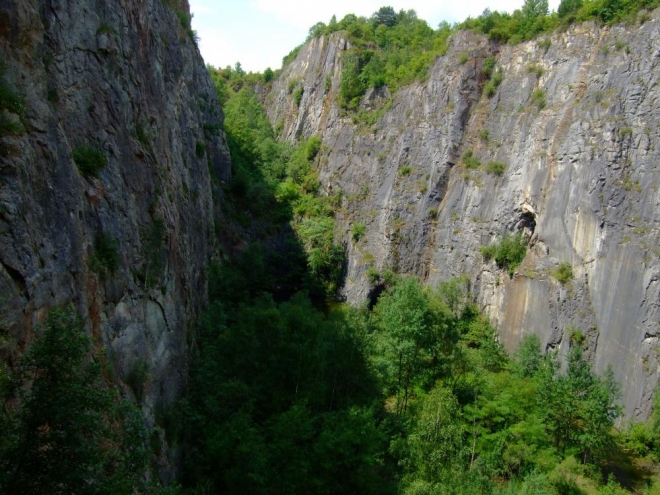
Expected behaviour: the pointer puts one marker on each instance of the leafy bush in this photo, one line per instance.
(373, 275)
(495, 168)
(358, 230)
(563, 273)
(488, 67)
(89, 160)
(493, 83)
(297, 95)
(200, 149)
(13, 102)
(508, 253)
(405, 171)
(105, 257)
(469, 160)
(538, 97)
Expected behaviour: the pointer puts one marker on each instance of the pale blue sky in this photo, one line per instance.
(258, 33)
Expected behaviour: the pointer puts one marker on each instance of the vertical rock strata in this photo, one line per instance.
(576, 124)
(127, 246)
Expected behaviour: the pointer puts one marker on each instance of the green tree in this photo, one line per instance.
(405, 337)
(70, 433)
(386, 16)
(580, 407)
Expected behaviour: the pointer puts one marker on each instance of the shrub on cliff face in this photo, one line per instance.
(508, 253)
(89, 160)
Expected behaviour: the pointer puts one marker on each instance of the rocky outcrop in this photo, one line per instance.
(575, 124)
(128, 246)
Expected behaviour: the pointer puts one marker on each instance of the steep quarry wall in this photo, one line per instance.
(575, 121)
(125, 78)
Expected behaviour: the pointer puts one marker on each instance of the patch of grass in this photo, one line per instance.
(463, 58)
(89, 160)
(484, 135)
(405, 171)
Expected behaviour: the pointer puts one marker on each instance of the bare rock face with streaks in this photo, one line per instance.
(127, 246)
(573, 127)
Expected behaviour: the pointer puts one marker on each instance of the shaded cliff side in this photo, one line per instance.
(574, 123)
(128, 245)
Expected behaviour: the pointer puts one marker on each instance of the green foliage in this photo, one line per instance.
(579, 407)
(405, 171)
(12, 102)
(297, 95)
(153, 254)
(105, 257)
(563, 273)
(415, 395)
(535, 19)
(89, 160)
(538, 97)
(268, 75)
(137, 378)
(495, 168)
(358, 229)
(69, 434)
(494, 81)
(469, 160)
(276, 182)
(389, 49)
(373, 275)
(508, 253)
(291, 56)
(413, 340)
(200, 149)
(488, 67)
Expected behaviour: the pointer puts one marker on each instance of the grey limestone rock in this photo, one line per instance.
(576, 124)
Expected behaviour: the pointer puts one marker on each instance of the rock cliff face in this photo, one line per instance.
(576, 123)
(128, 247)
